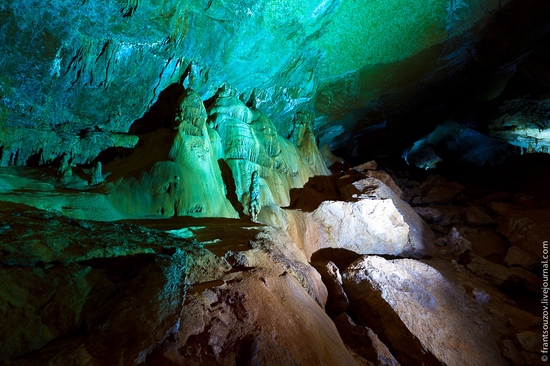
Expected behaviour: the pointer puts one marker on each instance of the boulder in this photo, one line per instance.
(429, 213)
(530, 341)
(517, 257)
(337, 301)
(527, 230)
(475, 216)
(369, 165)
(421, 314)
(436, 190)
(504, 277)
(454, 244)
(485, 242)
(386, 179)
(379, 202)
(374, 221)
(363, 341)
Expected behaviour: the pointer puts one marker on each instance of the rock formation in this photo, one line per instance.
(193, 291)
(244, 183)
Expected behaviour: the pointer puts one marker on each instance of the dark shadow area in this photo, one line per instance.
(34, 160)
(112, 153)
(160, 116)
(229, 181)
(219, 235)
(317, 189)
(162, 113)
(498, 69)
(341, 257)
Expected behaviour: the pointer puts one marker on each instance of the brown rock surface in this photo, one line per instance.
(364, 342)
(526, 229)
(386, 179)
(504, 277)
(134, 295)
(436, 190)
(485, 242)
(515, 256)
(475, 216)
(337, 301)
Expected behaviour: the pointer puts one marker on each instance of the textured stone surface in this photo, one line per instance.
(477, 217)
(420, 237)
(86, 293)
(523, 123)
(443, 193)
(229, 161)
(174, 172)
(454, 243)
(504, 277)
(515, 256)
(419, 313)
(337, 300)
(82, 70)
(525, 229)
(364, 342)
(376, 221)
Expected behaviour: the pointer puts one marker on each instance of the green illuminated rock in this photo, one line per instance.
(79, 72)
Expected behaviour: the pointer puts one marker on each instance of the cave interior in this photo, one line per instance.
(234, 182)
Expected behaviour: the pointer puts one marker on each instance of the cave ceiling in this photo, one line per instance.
(376, 75)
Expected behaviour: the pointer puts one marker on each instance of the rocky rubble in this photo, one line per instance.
(473, 303)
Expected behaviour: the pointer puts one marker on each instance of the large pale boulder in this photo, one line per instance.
(421, 314)
(374, 221)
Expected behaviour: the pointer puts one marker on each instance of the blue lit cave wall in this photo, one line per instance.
(367, 80)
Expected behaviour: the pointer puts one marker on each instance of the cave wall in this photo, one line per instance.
(79, 73)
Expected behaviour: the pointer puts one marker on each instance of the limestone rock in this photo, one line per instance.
(530, 341)
(145, 296)
(249, 143)
(443, 193)
(337, 301)
(519, 356)
(421, 236)
(369, 165)
(96, 174)
(364, 341)
(485, 242)
(521, 258)
(420, 314)
(429, 213)
(475, 216)
(522, 124)
(386, 179)
(503, 276)
(527, 230)
(454, 243)
(377, 222)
